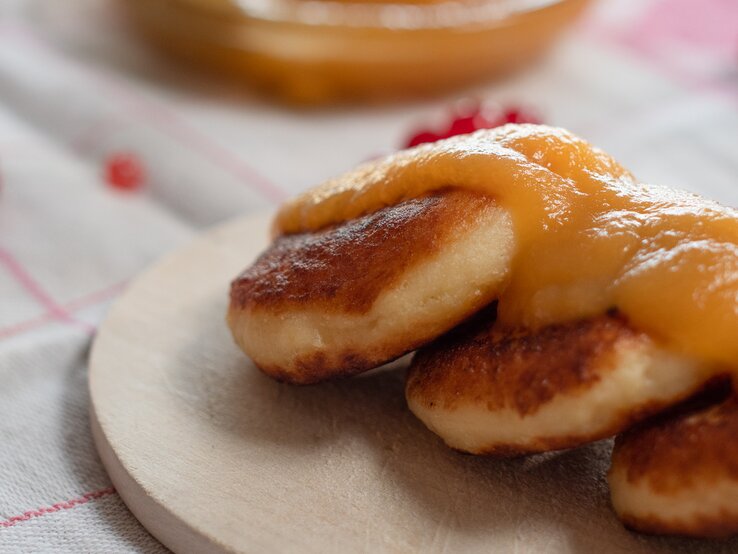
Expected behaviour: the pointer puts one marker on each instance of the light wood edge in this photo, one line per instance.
(158, 520)
(154, 516)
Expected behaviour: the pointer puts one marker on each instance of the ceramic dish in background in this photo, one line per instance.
(319, 52)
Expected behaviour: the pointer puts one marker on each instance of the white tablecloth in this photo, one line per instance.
(653, 82)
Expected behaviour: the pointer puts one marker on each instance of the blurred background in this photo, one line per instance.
(655, 82)
(120, 139)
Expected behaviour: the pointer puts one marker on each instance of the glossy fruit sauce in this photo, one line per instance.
(589, 236)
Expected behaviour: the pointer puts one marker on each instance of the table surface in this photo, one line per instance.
(653, 82)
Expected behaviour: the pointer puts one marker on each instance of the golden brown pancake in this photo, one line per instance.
(358, 294)
(588, 235)
(489, 390)
(678, 474)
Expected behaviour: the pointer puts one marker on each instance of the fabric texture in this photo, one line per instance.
(653, 82)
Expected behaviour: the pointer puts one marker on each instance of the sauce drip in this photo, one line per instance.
(589, 236)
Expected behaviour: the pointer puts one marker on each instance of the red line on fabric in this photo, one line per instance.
(33, 288)
(96, 296)
(26, 325)
(77, 304)
(29, 283)
(66, 505)
(167, 119)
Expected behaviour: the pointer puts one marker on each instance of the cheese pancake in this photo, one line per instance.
(358, 294)
(491, 390)
(679, 474)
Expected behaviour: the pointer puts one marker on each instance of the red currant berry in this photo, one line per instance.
(462, 126)
(521, 115)
(471, 115)
(124, 171)
(421, 138)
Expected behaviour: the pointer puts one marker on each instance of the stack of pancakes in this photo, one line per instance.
(424, 274)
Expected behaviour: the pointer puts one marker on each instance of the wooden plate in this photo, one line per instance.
(212, 456)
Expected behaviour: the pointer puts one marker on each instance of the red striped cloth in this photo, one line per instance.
(654, 82)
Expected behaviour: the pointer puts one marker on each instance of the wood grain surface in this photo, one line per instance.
(212, 456)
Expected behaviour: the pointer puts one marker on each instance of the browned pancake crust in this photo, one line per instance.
(722, 525)
(347, 266)
(519, 370)
(676, 452)
(314, 368)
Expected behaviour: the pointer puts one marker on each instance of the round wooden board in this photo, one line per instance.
(212, 456)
